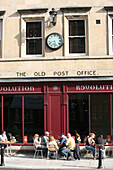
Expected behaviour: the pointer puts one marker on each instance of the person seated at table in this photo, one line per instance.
(52, 142)
(100, 140)
(45, 139)
(62, 143)
(3, 138)
(70, 146)
(90, 143)
(37, 143)
(52, 145)
(44, 142)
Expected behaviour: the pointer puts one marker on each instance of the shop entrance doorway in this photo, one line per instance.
(55, 114)
(79, 114)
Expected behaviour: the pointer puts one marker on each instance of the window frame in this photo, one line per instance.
(30, 18)
(109, 14)
(110, 35)
(77, 54)
(1, 32)
(34, 55)
(72, 16)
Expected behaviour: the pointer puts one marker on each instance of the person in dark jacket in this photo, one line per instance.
(100, 141)
(77, 152)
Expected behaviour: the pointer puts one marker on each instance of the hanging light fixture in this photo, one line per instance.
(53, 16)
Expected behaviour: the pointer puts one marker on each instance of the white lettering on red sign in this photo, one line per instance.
(94, 87)
(16, 88)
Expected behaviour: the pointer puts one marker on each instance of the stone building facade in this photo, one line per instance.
(56, 67)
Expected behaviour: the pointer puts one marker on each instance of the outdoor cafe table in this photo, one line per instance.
(2, 150)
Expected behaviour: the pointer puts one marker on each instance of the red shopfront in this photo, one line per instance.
(29, 108)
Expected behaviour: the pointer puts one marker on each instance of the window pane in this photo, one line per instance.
(76, 27)
(33, 29)
(33, 116)
(34, 46)
(13, 115)
(100, 114)
(77, 45)
(79, 114)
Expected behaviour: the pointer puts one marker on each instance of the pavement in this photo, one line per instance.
(27, 162)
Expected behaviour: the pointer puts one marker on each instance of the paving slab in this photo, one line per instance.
(27, 162)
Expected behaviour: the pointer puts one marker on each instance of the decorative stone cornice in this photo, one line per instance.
(32, 11)
(108, 8)
(75, 9)
(2, 13)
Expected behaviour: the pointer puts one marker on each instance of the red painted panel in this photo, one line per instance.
(23, 118)
(21, 88)
(45, 107)
(54, 112)
(89, 115)
(55, 88)
(90, 87)
(111, 110)
(2, 120)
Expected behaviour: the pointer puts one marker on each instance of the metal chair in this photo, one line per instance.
(38, 152)
(88, 152)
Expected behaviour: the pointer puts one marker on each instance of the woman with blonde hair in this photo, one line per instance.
(37, 141)
(52, 142)
(90, 143)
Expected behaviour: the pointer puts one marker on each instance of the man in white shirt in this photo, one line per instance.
(3, 138)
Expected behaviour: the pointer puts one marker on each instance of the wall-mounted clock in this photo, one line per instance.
(54, 41)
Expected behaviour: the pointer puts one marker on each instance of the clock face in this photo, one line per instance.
(54, 41)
